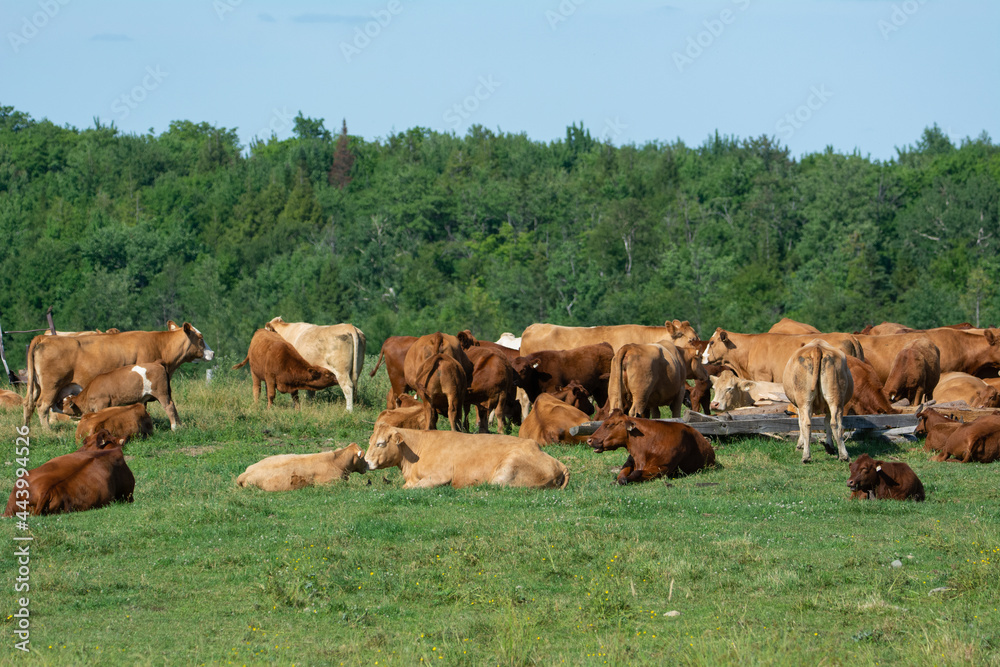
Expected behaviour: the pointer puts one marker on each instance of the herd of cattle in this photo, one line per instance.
(549, 380)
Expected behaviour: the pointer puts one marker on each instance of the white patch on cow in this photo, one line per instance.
(147, 386)
(704, 356)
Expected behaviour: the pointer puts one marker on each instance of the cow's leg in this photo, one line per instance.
(427, 483)
(804, 433)
(627, 468)
(295, 400)
(831, 436)
(837, 428)
(390, 399)
(171, 410)
(455, 416)
(348, 389)
(482, 414)
(255, 385)
(270, 384)
(918, 395)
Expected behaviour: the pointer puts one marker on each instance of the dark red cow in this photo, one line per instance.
(575, 394)
(548, 370)
(281, 368)
(935, 427)
(883, 480)
(869, 397)
(915, 372)
(492, 388)
(978, 441)
(655, 448)
(74, 482)
(394, 351)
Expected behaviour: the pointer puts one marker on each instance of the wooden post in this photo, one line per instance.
(48, 316)
(3, 356)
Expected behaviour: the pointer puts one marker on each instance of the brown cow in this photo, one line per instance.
(140, 383)
(123, 421)
(817, 378)
(434, 458)
(968, 388)
(575, 394)
(409, 413)
(394, 351)
(647, 376)
(883, 480)
(788, 326)
(550, 420)
(441, 384)
(433, 344)
(74, 482)
(978, 441)
(886, 329)
(548, 370)
(869, 397)
(274, 360)
(56, 363)
(655, 448)
(492, 388)
(961, 351)
(935, 427)
(539, 337)
(289, 472)
(99, 440)
(10, 399)
(764, 356)
(915, 372)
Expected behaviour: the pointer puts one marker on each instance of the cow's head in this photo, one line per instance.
(69, 407)
(718, 348)
(270, 326)
(466, 339)
(198, 349)
(614, 432)
(356, 462)
(986, 397)
(730, 392)
(527, 376)
(385, 448)
(681, 330)
(317, 377)
(577, 395)
(864, 473)
(102, 439)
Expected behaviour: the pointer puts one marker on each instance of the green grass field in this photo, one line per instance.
(766, 560)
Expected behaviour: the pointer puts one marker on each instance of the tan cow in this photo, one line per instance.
(339, 348)
(140, 383)
(961, 351)
(435, 458)
(964, 387)
(789, 326)
(10, 400)
(763, 357)
(732, 392)
(647, 376)
(817, 378)
(550, 421)
(288, 472)
(441, 383)
(58, 363)
(409, 413)
(122, 421)
(539, 337)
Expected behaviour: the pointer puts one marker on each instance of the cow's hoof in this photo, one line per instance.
(832, 451)
(807, 460)
(845, 459)
(798, 446)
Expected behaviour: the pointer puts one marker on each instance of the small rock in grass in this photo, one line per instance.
(942, 589)
(897, 563)
(673, 613)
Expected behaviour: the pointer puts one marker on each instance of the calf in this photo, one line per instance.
(434, 458)
(978, 441)
(409, 413)
(548, 370)
(817, 378)
(127, 385)
(276, 362)
(441, 384)
(74, 482)
(883, 480)
(576, 395)
(10, 399)
(550, 420)
(654, 448)
(868, 397)
(122, 421)
(288, 472)
(732, 392)
(915, 372)
(492, 388)
(935, 427)
(968, 388)
(394, 351)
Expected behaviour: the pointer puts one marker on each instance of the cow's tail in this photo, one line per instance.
(616, 382)
(242, 363)
(833, 371)
(358, 360)
(381, 355)
(34, 384)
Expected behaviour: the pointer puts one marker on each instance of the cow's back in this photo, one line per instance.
(539, 337)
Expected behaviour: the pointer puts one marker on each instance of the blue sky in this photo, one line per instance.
(854, 74)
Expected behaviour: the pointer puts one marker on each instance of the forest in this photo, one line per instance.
(422, 231)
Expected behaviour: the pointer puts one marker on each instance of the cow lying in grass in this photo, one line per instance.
(288, 472)
(883, 480)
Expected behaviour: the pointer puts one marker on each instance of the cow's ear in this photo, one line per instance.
(723, 336)
(878, 468)
(991, 336)
(188, 329)
(535, 364)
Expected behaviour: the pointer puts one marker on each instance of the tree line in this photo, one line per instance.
(423, 231)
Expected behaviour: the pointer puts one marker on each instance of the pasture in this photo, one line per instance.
(766, 560)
